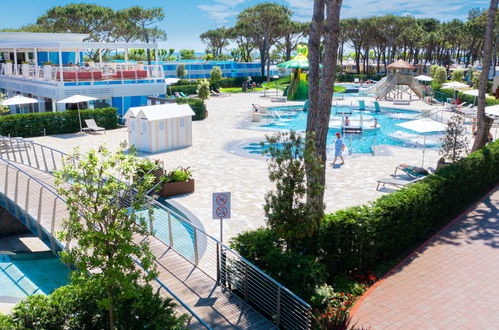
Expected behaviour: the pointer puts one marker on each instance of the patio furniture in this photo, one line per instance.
(130, 74)
(398, 182)
(92, 126)
(413, 171)
(278, 99)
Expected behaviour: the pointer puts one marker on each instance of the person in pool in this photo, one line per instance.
(347, 121)
(338, 149)
(375, 124)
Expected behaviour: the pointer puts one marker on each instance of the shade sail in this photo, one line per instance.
(77, 99)
(424, 78)
(19, 100)
(424, 125)
(455, 85)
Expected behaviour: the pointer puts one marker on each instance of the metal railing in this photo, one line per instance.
(94, 73)
(39, 207)
(221, 263)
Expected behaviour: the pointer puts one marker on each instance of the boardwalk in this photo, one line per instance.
(217, 307)
(450, 283)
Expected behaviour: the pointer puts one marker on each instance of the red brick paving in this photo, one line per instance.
(450, 283)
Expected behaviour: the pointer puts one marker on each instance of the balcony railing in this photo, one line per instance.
(94, 72)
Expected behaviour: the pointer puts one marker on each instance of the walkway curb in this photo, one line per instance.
(399, 266)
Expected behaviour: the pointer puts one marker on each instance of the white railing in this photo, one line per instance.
(221, 263)
(96, 72)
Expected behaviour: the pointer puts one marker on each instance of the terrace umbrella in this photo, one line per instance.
(19, 100)
(77, 99)
(425, 125)
(424, 78)
(455, 85)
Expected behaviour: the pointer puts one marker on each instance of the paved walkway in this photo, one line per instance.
(216, 169)
(452, 282)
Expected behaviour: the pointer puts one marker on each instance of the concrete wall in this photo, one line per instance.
(9, 225)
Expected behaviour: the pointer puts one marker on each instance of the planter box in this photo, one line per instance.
(176, 188)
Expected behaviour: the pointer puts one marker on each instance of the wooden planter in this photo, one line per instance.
(176, 188)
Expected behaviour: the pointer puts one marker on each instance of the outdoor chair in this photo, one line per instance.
(182, 94)
(413, 172)
(398, 182)
(92, 126)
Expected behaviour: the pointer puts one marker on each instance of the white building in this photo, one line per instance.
(50, 67)
(162, 127)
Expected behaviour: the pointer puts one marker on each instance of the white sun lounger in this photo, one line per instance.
(92, 126)
(396, 182)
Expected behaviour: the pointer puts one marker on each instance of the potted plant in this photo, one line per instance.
(8, 68)
(177, 182)
(25, 68)
(47, 70)
(454, 143)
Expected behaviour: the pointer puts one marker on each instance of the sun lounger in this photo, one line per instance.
(176, 94)
(92, 126)
(413, 171)
(183, 95)
(397, 182)
(279, 99)
(401, 102)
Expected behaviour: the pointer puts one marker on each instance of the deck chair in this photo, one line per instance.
(177, 94)
(183, 95)
(397, 182)
(213, 93)
(362, 105)
(92, 126)
(413, 172)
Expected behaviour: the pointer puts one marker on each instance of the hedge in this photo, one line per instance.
(444, 94)
(366, 237)
(360, 238)
(50, 123)
(197, 105)
(350, 77)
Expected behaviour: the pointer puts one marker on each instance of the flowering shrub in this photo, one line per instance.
(336, 314)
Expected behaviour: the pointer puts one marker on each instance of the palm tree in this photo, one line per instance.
(484, 122)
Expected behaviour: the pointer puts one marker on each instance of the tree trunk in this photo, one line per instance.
(262, 59)
(320, 95)
(484, 122)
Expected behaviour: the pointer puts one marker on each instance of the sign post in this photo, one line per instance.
(221, 210)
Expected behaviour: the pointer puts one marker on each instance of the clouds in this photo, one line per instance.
(221, 10)
(443, 9)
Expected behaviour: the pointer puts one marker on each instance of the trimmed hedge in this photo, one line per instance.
(350, 77)
(190, 86)
(361, 237)
(444, 94)
(365, 237)
(33, 124)
(197, 105)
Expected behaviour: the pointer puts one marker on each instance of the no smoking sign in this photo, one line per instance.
(221, 205)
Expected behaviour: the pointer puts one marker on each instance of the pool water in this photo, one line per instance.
(387, 134)
(26, 275)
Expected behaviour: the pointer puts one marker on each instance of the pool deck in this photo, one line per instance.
(215, 169)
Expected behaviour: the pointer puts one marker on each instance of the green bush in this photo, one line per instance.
(82, 306)
(34, 124)
(186, 89)
(177, 175)
(350, 77)
(444, 94)
(361, 237)
(300, 273)
(197, 105)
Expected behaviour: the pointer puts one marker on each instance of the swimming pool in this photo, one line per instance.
(24, 275)
(287, 118)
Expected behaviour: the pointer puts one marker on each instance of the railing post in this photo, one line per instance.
(53, 159)
(170, 234)
(196, 256)
(218, 263)
(17, 186)
(245, 281)
(278, 307)
(52, 227)
(19, 150)
(26, 206)
(36, 156)
(13, 151)
(44, 160)
(6, 191)
(27, 153)
(39, 214)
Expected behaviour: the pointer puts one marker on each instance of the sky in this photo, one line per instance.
(186, 19)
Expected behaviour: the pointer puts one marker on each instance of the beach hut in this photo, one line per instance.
(161, 127)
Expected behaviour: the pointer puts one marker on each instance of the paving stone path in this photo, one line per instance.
(452, 282)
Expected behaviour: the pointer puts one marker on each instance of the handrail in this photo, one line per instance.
(232, 271)
(57, 196)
